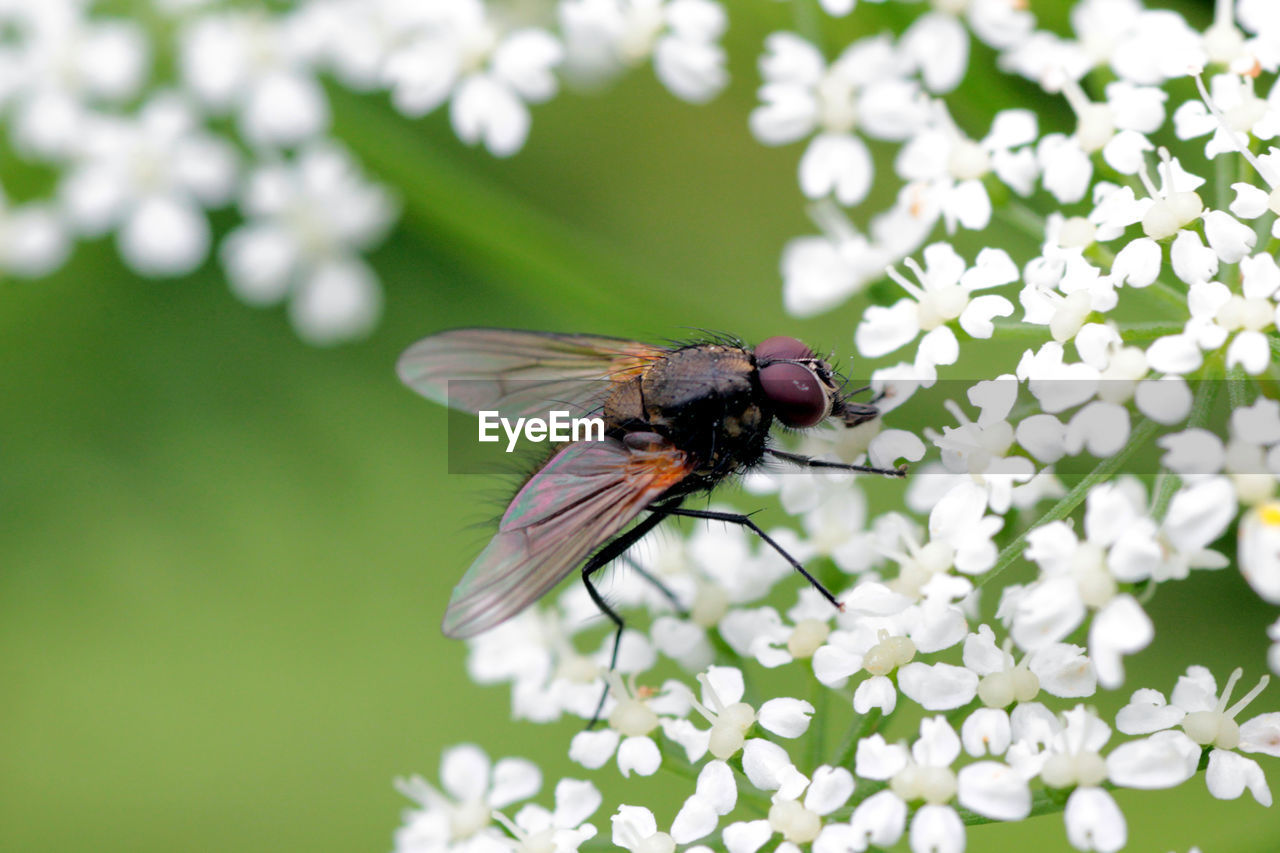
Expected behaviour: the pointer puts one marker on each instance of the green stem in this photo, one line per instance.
(862, 727)
(1140, 437)
(1023, 218)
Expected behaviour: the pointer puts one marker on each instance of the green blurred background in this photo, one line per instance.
(225, 554)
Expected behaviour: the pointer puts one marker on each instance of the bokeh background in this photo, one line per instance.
(224, 553)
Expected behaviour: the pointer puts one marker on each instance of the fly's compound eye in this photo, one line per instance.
(799, 398)
(781, 348)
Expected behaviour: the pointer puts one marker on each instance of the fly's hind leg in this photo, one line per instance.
(606, 555)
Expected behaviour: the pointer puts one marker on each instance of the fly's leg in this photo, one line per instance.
(606, 555)
(657, 584)
(745, 521)
(807, 462)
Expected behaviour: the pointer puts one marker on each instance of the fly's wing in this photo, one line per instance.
(520, 374)
(574, 504)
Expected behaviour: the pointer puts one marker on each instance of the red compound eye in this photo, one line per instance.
(781, 348)
(798, 397)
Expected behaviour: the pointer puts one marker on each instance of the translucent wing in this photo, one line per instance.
(574, 504)
(520, 374)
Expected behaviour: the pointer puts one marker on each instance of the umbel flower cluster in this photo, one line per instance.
(1144, 324)
(943, 695)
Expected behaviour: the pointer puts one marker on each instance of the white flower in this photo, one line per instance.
(564, 830)
(307, 220)
(731, 718)
(1076, 576)
(486, 75)
(602, 37)
(946, 292)
(865, 88)
(820, 272)
(1259, 550)
(924, 775)
(459, 818)
(253, 64)
(797, 821)
(1209, 722)
(33, 239)
(150, 178)
(950, 166)
(634, 717)
(57, 63)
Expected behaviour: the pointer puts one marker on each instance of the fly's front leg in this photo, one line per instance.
(808, 462)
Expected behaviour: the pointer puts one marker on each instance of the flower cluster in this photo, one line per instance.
(144, 148)
(1147, 303)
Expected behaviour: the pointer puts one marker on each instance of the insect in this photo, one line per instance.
(678, 421)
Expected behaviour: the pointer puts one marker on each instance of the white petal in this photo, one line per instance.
(1094, 821)
(768, 766)
(726, 683)
(576, 800)
(1064, 670)
(939, 45)
(1147, 712)
(1166, 401)
(1174, 354)
(883, 330)
(464, 772)
(1192, 260)
(876, 759)
(1230, 239)
(836, 164)
(632, 823)
(259, 259)
(514, 779)
(485, 110)
(284, 109)
(717, 787)
(1251, 351)
(977, 316)
(1192, 451)
(875, 692)
(1121, 628)
(1163, 760)
(1138, 263)
(879, 820)
(1101, 428)
(1199, 513)
(940, 687)
(785, 717)
(341, 300)
(164, 236)
(890, 445)
(994, 790)
(696, 819)
(986, 731)
(525, 60)
(937, 829)
(1229, 774)
(746, 837)
(830, 789)
(593, 749)
(639, 754)
(1250, 201)
(1261, 734)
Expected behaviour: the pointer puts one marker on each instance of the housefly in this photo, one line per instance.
(678, 421)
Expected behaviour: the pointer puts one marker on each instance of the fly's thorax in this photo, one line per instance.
(707, 400)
